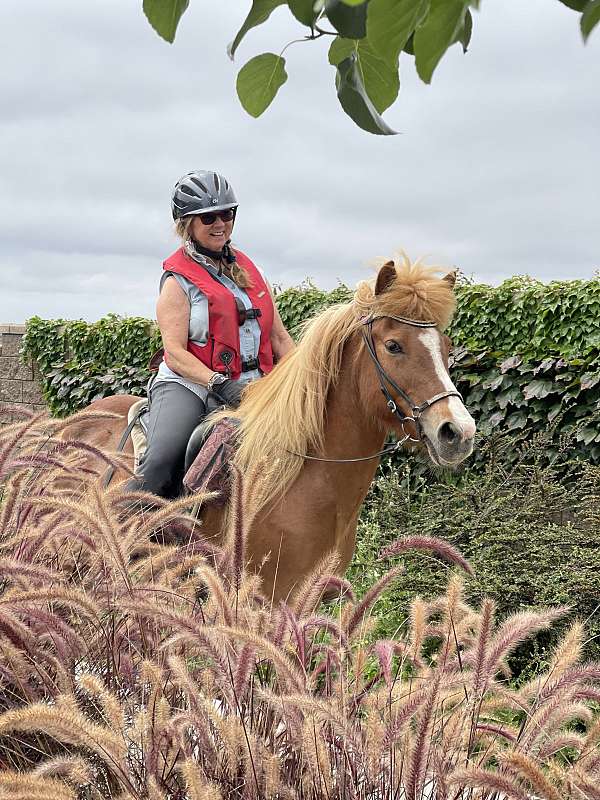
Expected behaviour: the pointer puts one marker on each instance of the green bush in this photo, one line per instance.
(530, 318)
(530, 531)
(80, 362)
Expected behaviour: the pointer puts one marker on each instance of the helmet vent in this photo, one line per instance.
(199, 184)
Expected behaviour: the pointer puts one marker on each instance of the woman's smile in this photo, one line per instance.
(214, 236)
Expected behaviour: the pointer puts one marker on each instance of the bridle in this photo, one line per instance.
(416, 410)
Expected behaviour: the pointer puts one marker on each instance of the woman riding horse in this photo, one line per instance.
(219, 326)
(311, 431)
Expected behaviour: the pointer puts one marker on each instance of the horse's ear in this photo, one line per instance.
(451, 278)
(385, 277)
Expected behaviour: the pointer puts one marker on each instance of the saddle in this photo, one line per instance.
(208, 454)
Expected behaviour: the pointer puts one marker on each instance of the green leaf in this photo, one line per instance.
(349, 21)
(354, 2)
(164, 16)
(259, 80)
(260, 12)
(576, 5)
(538, 389)
(464, 37)
(439, 30)
(355, 100)
(587, 434)
(304, 11)
(510, 363)
(390, 23)
(379, 77)
(409, 47)
(516, 421)
(590, 18)
(589, 380)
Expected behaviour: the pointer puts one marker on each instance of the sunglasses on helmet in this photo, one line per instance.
(226, 216)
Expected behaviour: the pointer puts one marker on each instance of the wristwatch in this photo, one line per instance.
(216, 379)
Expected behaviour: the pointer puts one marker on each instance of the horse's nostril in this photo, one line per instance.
(448, 433)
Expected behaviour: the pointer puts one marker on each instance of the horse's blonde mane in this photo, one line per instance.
(284, 412)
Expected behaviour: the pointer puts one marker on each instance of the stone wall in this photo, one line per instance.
(19, 384)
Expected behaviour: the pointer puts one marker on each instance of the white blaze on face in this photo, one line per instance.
(431, 340)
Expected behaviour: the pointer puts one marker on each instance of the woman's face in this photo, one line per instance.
(214, 236)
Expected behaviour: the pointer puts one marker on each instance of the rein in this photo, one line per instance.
(416, 410)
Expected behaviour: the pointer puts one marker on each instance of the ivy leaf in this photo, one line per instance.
(355, 100)
(440, 29)
(304, 11)
(379, 77)
(164, 16)
(587, 434)
(510, 363)
(538, 389)
(390, 24)
(260, 12)
(349, 21)
(494, 383)
(590, 18)
(496, 419)
(516, 421)
(258, 82)
(589, 380)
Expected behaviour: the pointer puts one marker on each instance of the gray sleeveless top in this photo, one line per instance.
(198, 328)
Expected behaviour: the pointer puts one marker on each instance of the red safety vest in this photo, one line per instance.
(222, 351)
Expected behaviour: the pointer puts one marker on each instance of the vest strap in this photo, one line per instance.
(250, 364)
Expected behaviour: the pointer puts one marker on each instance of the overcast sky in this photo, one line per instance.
(497, 169)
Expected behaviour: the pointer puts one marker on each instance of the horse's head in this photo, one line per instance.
(406, 380)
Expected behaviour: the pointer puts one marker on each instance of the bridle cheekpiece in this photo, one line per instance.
(416, 410)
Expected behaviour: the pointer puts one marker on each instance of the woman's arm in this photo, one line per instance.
(173, 315)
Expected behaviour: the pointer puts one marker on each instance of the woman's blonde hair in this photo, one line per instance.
(238, 274)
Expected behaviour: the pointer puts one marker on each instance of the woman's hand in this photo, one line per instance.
(228, 392)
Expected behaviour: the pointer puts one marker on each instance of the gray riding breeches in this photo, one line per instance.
(174, 413)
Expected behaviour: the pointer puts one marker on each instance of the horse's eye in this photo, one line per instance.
(393, 346)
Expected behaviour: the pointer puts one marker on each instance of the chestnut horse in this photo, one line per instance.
(312, 430)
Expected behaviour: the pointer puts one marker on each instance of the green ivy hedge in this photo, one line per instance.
(527, 354)
(81, 361)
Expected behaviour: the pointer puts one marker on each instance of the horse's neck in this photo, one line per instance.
(350, 432)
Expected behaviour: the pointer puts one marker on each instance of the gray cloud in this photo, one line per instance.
(497, 168)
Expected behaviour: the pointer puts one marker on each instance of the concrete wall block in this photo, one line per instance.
(11, 391)
(31, 392)
(13, 369)
(11, 344)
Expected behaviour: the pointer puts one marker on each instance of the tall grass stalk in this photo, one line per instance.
(139, 661)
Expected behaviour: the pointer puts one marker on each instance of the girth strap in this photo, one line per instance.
(126, 433)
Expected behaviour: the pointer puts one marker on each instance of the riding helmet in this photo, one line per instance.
(201, 191)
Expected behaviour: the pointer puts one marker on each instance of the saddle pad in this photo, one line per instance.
(210, 469)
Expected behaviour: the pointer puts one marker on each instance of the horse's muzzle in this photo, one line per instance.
(451, 442)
